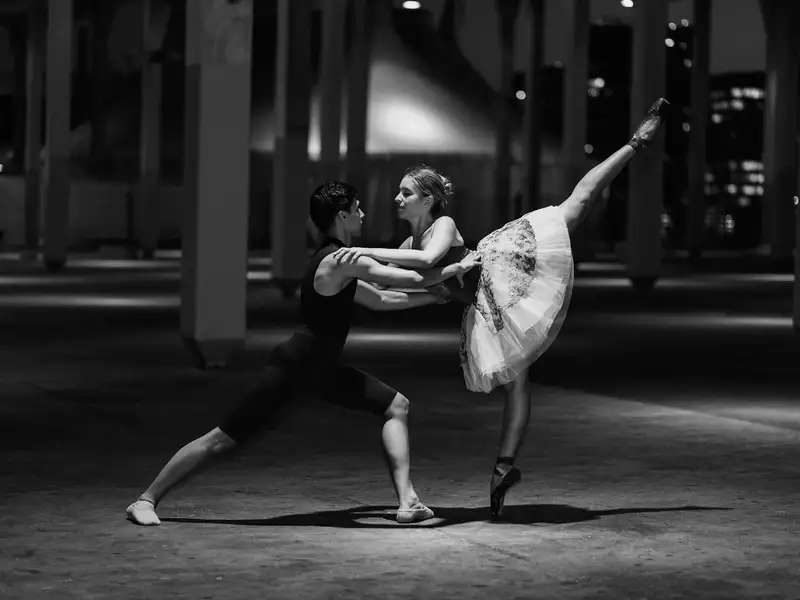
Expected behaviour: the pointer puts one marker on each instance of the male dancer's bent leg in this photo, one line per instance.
(359, 390)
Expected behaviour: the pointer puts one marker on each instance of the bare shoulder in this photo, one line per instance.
(328, 277)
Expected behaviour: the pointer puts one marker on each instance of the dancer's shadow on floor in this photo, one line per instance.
(383, 516)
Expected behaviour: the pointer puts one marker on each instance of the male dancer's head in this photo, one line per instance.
(334, 209)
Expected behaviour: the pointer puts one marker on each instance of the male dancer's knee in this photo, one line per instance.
(398, 409)
(216, 442)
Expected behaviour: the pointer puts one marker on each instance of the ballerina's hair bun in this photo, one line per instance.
(432, 183)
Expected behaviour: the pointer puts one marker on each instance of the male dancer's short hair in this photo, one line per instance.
(328, 199)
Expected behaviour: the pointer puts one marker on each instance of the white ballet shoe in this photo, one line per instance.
(414, 513)
(143, 512)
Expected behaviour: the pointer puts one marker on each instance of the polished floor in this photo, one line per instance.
(662, 459)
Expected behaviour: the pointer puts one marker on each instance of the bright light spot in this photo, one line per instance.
(744, 201)
(685, 22)
(597, 82)
(669, 42)
(666, 220)
(752, 165)
(521, 95)
(759, 190)
(796, 201)
(737, 105)
(749, 190)
(593, 92)
(1, 167)
(755, 177)
(687, 127)
(716, 117)
(730, 223)
(411, 5)
(731, 188)
(627, 3)
(588, 148)
(687, 62)
(672, 26)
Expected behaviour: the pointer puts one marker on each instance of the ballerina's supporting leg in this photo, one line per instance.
(516, 415)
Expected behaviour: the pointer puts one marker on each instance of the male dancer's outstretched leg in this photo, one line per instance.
(193, 456)
(574, 209)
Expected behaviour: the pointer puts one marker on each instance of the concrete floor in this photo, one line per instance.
(662, 460)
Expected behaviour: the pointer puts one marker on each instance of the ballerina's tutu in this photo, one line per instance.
(522, 298)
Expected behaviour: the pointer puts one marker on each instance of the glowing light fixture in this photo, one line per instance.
(685, 22)
(588, 148)
(669, 42)
(672, 26)
(521, 95)
(411, 5)
(627, 3)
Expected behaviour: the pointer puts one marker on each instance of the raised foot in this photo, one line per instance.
(649, 126)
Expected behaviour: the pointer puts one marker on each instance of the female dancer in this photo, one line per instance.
(518, 300)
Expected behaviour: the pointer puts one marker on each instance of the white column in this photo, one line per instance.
(216, 178)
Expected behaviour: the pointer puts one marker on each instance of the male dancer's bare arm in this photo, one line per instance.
(368, 296)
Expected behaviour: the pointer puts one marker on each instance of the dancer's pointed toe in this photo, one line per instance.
(649, 126)
(501, 483)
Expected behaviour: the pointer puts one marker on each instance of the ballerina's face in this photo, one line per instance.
(410, 201)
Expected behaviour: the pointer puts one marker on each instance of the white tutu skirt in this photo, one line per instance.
(522, 298)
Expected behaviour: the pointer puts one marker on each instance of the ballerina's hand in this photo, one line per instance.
(469, 262)
(348, 256)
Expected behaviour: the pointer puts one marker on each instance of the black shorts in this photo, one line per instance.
(305, 362)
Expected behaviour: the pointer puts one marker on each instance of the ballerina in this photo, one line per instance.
(518, 299)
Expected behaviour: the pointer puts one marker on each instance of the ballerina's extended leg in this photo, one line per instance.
(576, 207)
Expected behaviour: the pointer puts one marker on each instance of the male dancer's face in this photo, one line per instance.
(354, 219)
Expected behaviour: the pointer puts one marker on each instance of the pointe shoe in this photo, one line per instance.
(648, 128)
(414, 513)
(498, 487)
(143, 512)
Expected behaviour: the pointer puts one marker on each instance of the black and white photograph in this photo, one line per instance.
(400, 299)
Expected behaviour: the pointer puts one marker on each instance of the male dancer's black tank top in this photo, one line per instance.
(326, 318)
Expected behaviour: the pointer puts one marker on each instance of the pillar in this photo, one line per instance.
(147, 196)
(216, 178)
(34, 80)
(781, 21)
(645, 189)
(331, 76)
(358, 95)
(507, 13)
(573, 141)
(57, 153)
(531, 168)
(696, 210)
(290, 190)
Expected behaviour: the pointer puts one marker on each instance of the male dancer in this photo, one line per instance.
(327, 294)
